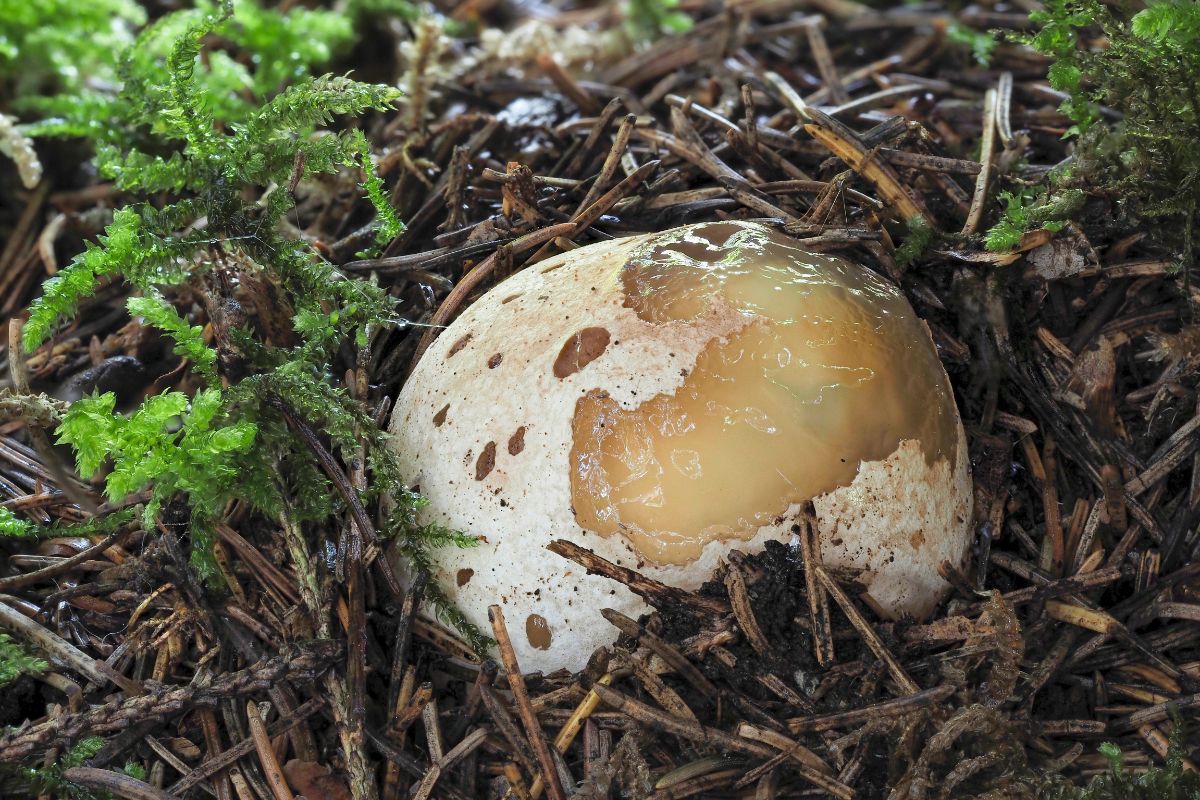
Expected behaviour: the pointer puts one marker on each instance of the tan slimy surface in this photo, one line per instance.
(830, 368)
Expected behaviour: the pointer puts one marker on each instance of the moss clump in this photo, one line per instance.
(649, 19)
(981, 43)
(50, 781)
(1143, 65)
(1169, 782)
(216, 123)
(921, 237)
(57, 48)
(15, 660)
(1024, 212)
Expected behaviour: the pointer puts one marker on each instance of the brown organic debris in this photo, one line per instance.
(320, 673)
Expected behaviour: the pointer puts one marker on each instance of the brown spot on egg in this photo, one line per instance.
(464, 577)
(584, 347)
(439, 418)
(516, 442)
(917, 540)
(495, 360)
(462, 342)
(486, 461)
(537, 631)
(510, 298)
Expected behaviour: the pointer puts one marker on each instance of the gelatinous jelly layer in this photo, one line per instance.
(827, 367)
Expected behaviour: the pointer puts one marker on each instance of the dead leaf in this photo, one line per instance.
(1063, 256)
(1094, 379)
(315, 781)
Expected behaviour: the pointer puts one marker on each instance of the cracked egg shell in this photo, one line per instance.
(666, 398)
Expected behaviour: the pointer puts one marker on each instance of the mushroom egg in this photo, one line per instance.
(664, 399)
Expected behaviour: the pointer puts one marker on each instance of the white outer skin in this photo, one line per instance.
(884, 524)
(511, 566)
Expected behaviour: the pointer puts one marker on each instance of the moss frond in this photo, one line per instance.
(1149, 159)
(189, 339)
(647, 20)
(15, 660)
(122, 244)
(14, 527)
(390, 225)
(1172, 781)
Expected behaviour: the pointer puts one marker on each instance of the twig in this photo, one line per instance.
(159, 703)
(63, 652)
(808, 765)
(118, 783)
(987, 148)
(212, 743)
(580, 96)
(666, 652)
(824, 59)
(820, 622)
(1156, 713)
(872, 640)
(1004, 88)
(885, 710)
(476, 277)
(840, 141)
(655, 720)
(611, 162)
(879, 98)
(533, 728)
(562, 742)
(658, 689)
(585, 217)
(601, 124)
(648, 589)
(41, 442)
(735, 585)
(65, 565)
(445, 762)
(18, 236)
(518, 746)
(266, 754)
(409, 764)
(1053, 555)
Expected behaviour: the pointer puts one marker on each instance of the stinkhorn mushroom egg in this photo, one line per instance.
(666, 398)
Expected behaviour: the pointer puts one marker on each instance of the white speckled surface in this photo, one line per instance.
(897, 521)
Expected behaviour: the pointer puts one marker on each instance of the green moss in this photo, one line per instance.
(15, 660)
(283, 48)
(390, 225)
(49, 780)
(649, 19)
(12, 526)
(1148, 160)
(171, 443)
(189, 339)
(1023, 213)
(921, 236)
(217, 120)
(55, 46)
(980, 43)
(1169, 782)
